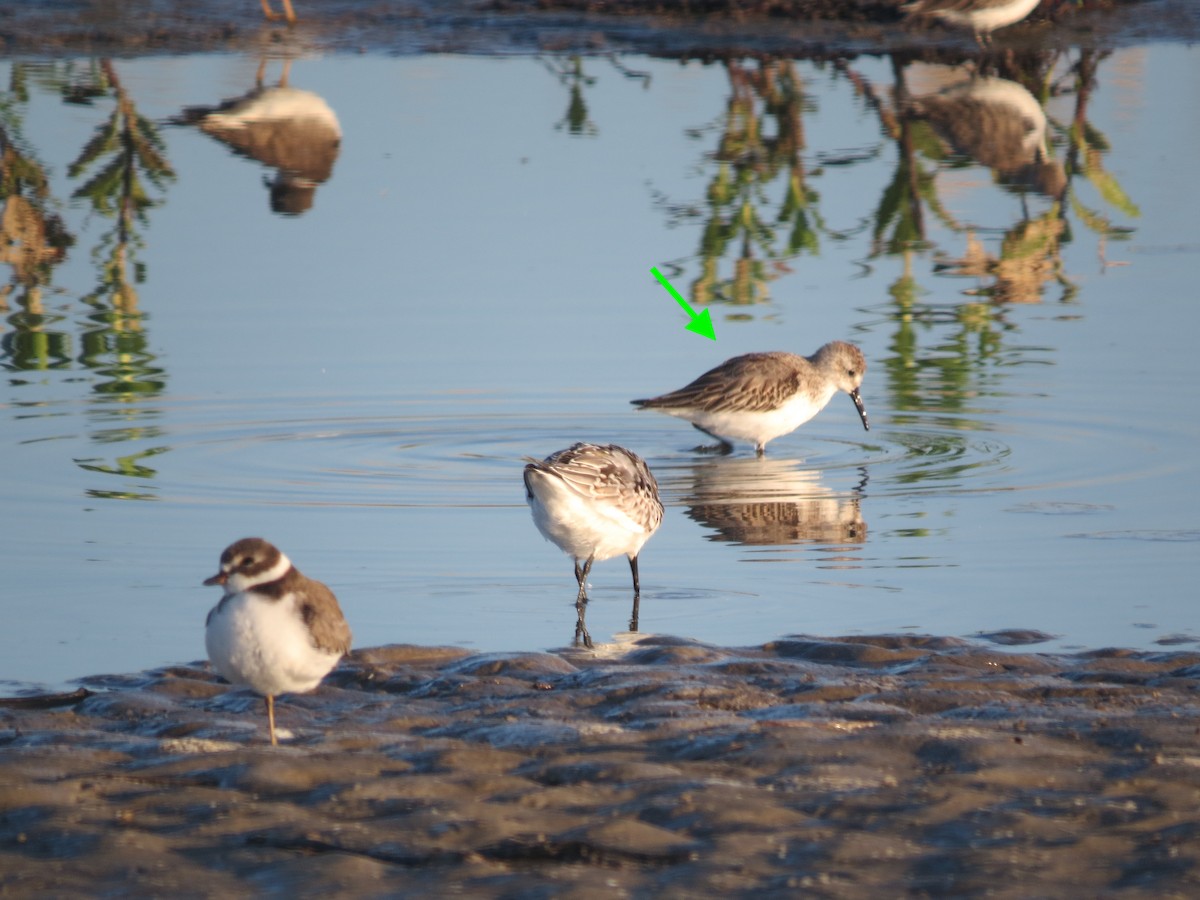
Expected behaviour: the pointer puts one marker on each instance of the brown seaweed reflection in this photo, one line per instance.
(290, 130)
(769, 501)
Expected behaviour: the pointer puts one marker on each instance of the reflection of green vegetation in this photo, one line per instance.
(944, 378)
(127, 151)
(576, 119)
(898, 222)
(97, 494)
(948, 375)
(116, 349)
(569, 71)
(122, 163)
(1087, 148)
(761, 139)
(33, 239)
(124, 155)
(125, 465)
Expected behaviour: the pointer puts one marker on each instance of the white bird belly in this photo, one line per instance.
(266, 645)
(755, 426)
(583, 528)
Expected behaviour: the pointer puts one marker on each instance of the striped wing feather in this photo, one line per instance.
(755, 382)
(606, 474)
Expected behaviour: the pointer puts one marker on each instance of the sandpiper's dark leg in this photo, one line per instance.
(581, 576)
(723, 446)
(581, 632)
(637, 594)
(581, 599)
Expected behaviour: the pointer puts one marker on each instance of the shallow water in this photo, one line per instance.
(358, 382)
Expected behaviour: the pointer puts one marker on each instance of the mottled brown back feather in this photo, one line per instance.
(755, 382)
(318, 606)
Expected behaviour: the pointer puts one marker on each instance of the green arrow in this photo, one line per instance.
(701, 322)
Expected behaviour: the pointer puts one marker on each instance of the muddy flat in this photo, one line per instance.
(858, 767)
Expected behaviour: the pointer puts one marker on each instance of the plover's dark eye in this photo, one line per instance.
(246, 561)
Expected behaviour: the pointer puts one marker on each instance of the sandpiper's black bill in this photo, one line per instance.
(862, 410)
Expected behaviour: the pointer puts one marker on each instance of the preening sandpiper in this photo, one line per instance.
(760, 396)
(274, 630)
(594, 501)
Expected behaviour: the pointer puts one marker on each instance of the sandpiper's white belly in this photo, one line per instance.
(989, 18)
(754, 426)
(265, 644)
(581, 526)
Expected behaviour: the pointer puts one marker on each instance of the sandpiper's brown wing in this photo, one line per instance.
(754, 382)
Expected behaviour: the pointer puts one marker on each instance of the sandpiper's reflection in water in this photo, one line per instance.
(999, 124)
(766, 501)
(291, 130)
(995, 122)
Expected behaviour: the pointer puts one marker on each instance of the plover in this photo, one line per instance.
(760, 396)
(594, 501)
(274, 630)
(981, 16)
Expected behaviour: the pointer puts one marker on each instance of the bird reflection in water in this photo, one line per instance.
(291, 130)
(997, 123)
(770, 502)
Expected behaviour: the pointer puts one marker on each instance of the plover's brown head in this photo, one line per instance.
(248, 563)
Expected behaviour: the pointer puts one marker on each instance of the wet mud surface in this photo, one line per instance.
(858, 767)
(695, 28)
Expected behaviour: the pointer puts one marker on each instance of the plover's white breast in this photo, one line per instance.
(265, 643)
